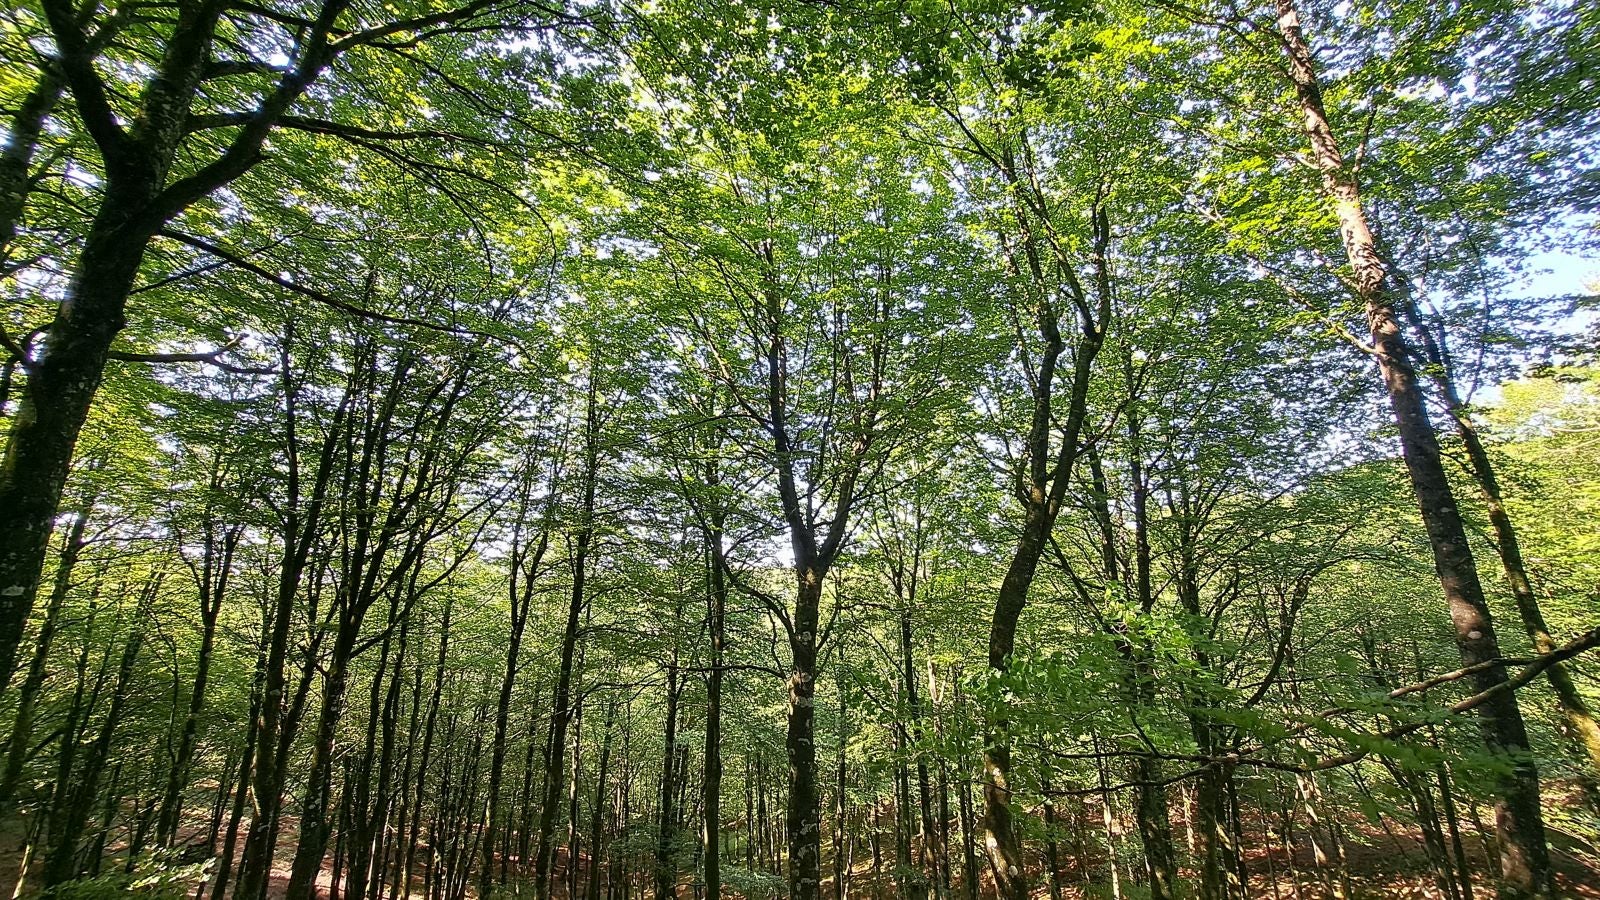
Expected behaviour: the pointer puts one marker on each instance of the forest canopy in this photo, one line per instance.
(799, 449)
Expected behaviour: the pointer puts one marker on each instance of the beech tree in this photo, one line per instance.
(730, 450)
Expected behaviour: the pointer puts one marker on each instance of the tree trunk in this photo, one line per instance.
(55, 402)
(1052, 852)
(597, 814)
(241, 794)
(215, 568)
(69, 817)
(1524, 856)
(315, 826)
(561, 712)
(1581, 728)
(666, 826)
(803, 815)
(22, 144)
(28, 693)
(717, 599)
(525, 564)
(273, 727)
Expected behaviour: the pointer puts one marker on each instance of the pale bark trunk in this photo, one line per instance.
(1524, 857)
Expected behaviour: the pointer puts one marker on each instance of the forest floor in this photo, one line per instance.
(1385, 863)
(1392, 864)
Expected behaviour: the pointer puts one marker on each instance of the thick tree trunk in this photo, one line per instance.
(1524, 856)
(28, 694)
(55, 402)
(1001, 840)
(1580, 726)
(803, 815)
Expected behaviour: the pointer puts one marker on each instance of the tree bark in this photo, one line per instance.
(212, 579)
(597, 814)
(1524, 856)
(28, 694)
(717, 600)
(525, 563)
(561, 712)
(1041, 487)
(666, 826)
(76, 796)
(1581, 729)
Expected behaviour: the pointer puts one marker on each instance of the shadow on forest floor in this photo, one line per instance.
(1386, 861)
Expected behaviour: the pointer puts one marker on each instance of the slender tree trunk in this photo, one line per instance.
(375, 830)
(21, 145)
(315, 825)
(969, 857)
(573, 835)
(717, 599)
(903, 876)
(1150, 798)
(274, 728)
(908, 674)
(214, 571)
(525, 567)
(597, 814)
(561, 712)
(1108, 825)
(1524, 856)
(241, 795)
(665, 868)
(425, 757)
(69, 817)
(1453, 821)
(1052, 852)
(844, 840)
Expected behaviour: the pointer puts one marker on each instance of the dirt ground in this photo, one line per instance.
(1387, 863)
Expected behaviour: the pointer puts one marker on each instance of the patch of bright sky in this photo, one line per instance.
(1560, 272)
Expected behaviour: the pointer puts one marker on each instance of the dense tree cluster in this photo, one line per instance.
(789, 449)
